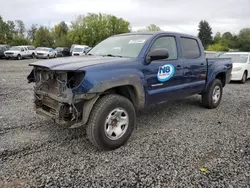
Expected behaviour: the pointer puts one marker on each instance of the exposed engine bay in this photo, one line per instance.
(54, 97)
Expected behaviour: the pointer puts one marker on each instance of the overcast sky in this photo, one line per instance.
(172, 15)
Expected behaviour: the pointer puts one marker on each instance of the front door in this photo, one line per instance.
(164, 77)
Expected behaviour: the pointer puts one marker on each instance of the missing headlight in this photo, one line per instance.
(74, 79)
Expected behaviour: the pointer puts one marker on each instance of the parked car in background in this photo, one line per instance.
(45, 53)
(79, 50)
(62, 51)
(6, 46)
(241, 65)
(3, 48)
(18, 52)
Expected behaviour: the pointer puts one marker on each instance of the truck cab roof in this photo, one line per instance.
(154, 33)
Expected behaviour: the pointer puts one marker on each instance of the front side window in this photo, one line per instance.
(123, 45)
(168, 43)
(190, 48)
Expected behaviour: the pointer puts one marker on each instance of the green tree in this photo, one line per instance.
(43, 37)
(117, 25)
(5, 34)
(19, 40)
(227, 39)
(32, 32)
(94, 28)
(205, 33)
(217, 47)
(20, 27)
(151, 27)
(59, 33)
(217, 37)
(244, 40)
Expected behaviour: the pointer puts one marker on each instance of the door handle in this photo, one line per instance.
(202, 64)
(178, 67)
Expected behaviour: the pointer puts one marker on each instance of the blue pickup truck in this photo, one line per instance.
(121, 75)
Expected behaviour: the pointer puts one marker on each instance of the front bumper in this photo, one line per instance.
(11, 55)
(42, 55)
(237, 76)
(56, 108)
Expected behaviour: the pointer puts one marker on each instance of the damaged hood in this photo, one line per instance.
(75, 63)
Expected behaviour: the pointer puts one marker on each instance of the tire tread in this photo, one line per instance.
(97, 108)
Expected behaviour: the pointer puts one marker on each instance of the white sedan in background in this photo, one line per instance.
(241, 65)
(44, 52)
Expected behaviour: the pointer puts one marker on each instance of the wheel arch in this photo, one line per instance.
(222, 77)
(127, 91)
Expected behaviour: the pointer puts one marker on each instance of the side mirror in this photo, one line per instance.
(156, 54)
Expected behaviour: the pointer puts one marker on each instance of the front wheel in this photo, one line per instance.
(19, 57)
(111, 122)
(211, 98)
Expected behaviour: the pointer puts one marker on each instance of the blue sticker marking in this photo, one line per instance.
(165, 72)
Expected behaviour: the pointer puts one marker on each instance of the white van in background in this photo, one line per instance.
(79, 50)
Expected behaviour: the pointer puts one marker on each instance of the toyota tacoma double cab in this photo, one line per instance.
(122, 75)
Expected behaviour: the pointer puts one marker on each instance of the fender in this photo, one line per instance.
(216, 67)
(94, 83)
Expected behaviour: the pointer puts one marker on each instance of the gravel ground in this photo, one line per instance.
(176, 144)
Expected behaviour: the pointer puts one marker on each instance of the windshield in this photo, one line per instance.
(236, 58)
(125, 46)
(42, 49)
(15, 48)
(78, 50)
(59, 49)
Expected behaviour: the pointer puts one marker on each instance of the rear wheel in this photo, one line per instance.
(111, 122)
(211, 99)
(244, 77)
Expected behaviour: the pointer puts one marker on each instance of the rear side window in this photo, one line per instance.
(190, 48)
(31, 48)
(168, 43)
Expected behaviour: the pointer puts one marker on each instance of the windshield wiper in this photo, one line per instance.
(111, 55)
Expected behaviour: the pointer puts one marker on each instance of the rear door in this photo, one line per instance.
(26, 51)
(164, 77)
(194, 66)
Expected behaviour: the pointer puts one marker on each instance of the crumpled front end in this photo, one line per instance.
(54, 97)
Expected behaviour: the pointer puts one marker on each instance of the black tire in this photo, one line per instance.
(96, 123)
(244, 78)
(33, 56)
(19, 57)
(207, 98)
(47, 56)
